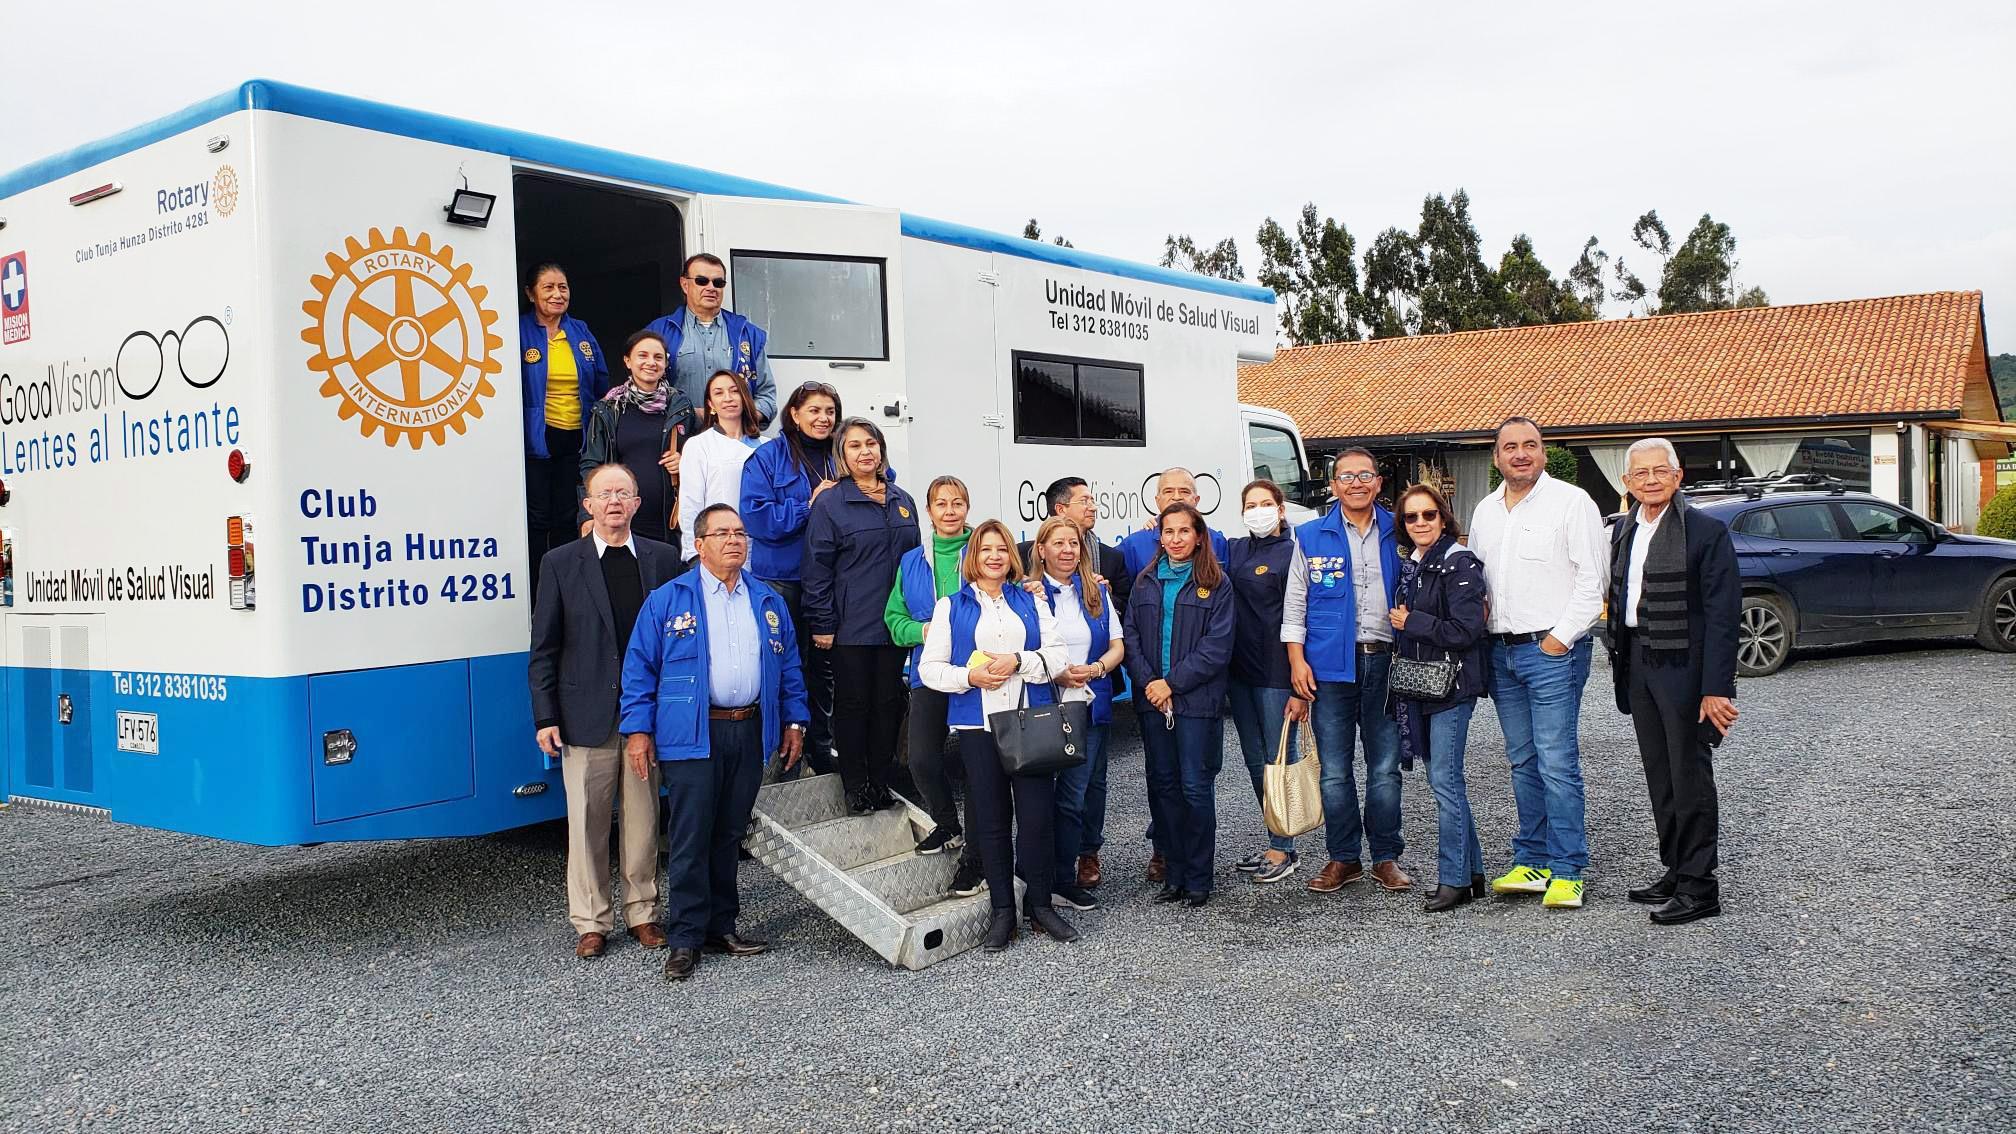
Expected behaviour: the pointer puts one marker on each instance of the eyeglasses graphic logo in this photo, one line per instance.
(202, 353)
(403, 338)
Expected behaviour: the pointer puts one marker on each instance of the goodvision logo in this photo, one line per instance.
(202, 352)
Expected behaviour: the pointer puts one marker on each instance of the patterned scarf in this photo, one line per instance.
(1662, 596)
(636, 397)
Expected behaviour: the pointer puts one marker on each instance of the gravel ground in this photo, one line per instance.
(1860, 978)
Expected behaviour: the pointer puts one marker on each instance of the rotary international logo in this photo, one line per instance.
(402, 337)
(224, 191)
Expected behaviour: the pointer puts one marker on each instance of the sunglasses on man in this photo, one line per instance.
(707, 281)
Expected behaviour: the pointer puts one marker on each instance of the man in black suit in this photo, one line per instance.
(1674, 602)
(589, 593)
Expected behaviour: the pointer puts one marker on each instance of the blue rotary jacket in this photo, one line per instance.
(1200, 654)
(665, 671)
(533, 340)
(1332, 643)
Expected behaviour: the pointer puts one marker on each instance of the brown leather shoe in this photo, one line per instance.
(648, 935)
(1158, 870)
(590, 945)
(1335, 876)
(1088, 871)
(1390, 877)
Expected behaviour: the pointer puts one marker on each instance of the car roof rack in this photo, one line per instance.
(1754, 487)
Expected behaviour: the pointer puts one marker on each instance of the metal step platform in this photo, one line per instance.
(864, 872)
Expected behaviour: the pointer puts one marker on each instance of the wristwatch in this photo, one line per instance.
(796, 725)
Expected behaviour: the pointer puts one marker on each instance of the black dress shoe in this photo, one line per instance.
(1044, 920)
(736, 945)
(861, 801)
(1170, 894)
(680, 962)
(1000, 930)
(1657, 894)
(1448, 898)
(1195, 898)
(1477, 886)
(1685, 908)
(883, 797)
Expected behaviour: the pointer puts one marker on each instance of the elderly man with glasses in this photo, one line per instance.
(711, 687)
(590, 591)
(1674, 603)
(705, 338)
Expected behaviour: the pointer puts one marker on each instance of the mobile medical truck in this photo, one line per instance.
(261, 443)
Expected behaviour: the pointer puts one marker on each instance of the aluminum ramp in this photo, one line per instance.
(864, 870)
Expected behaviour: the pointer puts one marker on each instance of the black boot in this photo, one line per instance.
(1000, 930)
(1044, 920)
(1170, 894)
(1448, 898)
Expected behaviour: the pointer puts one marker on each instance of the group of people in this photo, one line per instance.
(810, 607)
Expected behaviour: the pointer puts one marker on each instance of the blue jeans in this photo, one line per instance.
(1183, 794)
(1257, 717)
(1540, 709)
(1344, 712)
(1459, 857)
(1074, 798)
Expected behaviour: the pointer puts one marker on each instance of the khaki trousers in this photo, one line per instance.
(593, 777)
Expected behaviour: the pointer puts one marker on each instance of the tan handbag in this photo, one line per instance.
(1292, 802)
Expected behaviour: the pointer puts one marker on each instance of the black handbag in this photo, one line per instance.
(1416, 680)
(1041, 740)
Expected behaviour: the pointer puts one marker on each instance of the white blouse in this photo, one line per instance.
(710, 473)
(1072, 627)
(999, 631)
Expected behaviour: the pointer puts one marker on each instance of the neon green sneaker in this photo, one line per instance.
(1563, 894)
(1522, 880)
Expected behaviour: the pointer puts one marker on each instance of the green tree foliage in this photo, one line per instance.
(1034, 231)
(1532, 296)
(1753, 297)
(2002, 372)
(1698, 274)
(1998, 519)
(1220, 260)
(1390, 306)
(1315, 273)
(1586, 277)
(1457, 290)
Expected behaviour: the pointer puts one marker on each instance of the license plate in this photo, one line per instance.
(139, 732)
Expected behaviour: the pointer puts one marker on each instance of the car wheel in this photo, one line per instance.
(1764, 640)
(1998, 616)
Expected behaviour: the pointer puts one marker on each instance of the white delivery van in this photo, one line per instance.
(261, 437)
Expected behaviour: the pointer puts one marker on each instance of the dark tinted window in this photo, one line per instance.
(1077, 400)
(1805, 521)
(1884, 525)
(1762, 522)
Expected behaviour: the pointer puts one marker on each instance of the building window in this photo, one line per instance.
(1843, 456)
(832, 307)
(1077, 401)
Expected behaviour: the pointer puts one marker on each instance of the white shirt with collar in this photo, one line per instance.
(1546, 560)
(1634, 574)
(999, 631)
(629, 544)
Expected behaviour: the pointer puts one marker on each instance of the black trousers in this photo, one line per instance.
(933, 768)
(708, 804)
(550, 502)
(1679, 771)
(997, 803)
(817, 668)
(868, 701)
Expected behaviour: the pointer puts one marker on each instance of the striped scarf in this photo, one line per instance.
(1662, 595)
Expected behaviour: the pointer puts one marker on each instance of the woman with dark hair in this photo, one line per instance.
(1439, 616)
(990, 644)
(779, 482)
(925, 575)
(855, 537)
(1270, 582)
(641, 426)
(714, 456)
(562, 374)
(1179, 627)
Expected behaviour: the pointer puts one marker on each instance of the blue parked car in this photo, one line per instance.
(1825, 566)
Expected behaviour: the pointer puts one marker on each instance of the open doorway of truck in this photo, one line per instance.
(621, 248)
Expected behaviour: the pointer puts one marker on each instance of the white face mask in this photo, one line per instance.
(1264, 520)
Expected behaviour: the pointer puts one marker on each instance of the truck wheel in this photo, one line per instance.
(1998, 616)
(1764, 640)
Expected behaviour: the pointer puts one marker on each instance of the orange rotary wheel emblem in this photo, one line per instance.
(402, 338)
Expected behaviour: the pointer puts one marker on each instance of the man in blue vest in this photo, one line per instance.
(1354, 566)
(711, 686)
(1173, 486)
(703, 338)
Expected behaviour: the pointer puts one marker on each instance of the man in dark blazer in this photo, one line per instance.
(1674, 601)
(589, 594)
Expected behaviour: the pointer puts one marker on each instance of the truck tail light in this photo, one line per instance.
(238, 552)
(6, 568)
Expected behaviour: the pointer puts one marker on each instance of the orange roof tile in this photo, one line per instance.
(1905, 355)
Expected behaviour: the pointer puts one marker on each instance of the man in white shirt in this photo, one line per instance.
(1546, 559)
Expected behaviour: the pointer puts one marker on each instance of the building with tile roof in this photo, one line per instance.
(1891, 395)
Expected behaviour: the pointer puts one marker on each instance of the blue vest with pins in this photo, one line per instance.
(964, 708)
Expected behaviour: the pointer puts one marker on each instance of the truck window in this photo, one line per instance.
(814, 306)
(1077, 401)
(1274, 455)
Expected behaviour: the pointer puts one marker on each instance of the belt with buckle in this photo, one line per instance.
(1375, 647)
(742, 714)
(1518, 639)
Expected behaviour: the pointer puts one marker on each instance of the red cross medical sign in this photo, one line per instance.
(14, 298)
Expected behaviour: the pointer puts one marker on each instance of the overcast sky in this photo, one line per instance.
(1856, 148)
